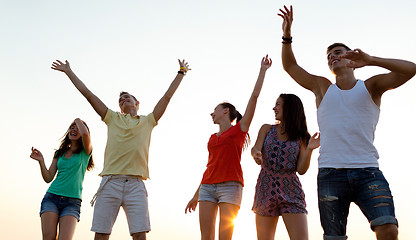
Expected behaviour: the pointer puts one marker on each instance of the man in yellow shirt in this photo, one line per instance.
(125, 158)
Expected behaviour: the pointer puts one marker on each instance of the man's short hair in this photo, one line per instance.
(334, 45)
(121, 93)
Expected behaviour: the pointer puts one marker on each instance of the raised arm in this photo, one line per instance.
(256, 149)
(95, 102)
(164, 101)
(400, 71)
(304, 159)
(318, 85)
(47, 174)
(245, 122)
(85, 135)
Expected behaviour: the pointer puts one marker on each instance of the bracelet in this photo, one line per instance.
(287, 40)
(184, 69)
(181, 72)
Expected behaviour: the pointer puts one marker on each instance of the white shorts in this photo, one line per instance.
(121, 191)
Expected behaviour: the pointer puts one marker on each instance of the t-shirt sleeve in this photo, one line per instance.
(152, 120)
(108, 116)
(239, 128)
(85, 158)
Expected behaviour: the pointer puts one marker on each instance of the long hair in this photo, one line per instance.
(66, 144)
(235, 115)
(294, 118)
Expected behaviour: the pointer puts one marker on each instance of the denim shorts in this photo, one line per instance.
(224, 192)
(63, 206)
(366, 187)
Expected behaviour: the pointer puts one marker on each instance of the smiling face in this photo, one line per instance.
(127, 102)
(334, 53)
(73, 132)
(334, 58)
(278, 109)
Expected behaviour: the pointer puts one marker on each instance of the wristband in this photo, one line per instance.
(287, 40)
(181, 72)
(183, 69)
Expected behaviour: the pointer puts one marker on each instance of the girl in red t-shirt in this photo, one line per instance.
(222, 183)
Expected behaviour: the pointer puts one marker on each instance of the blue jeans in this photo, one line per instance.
(61, 205)
(366, 187)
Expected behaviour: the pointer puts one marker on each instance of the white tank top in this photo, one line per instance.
(347, 121)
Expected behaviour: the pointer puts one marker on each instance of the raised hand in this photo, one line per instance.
(47, 174)
(314, 141)
(358, 58)
(287, 15)
(60, 66)
(266, 62)
(36, 154)
(184, 66)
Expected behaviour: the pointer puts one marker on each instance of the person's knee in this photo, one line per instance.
(207, 237)
(207, 233)
(139, 236)
(265, 235)
(387, 231)
(101, 236)
(49, 236)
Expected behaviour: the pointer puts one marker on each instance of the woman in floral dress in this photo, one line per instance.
(282, 150)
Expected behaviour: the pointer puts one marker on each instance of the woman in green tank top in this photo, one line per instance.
(62, 201)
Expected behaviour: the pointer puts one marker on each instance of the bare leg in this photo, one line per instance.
(49, 222)
(386, 232)
(207, 217)
(296, 225)
(266, 227)
(67, 225)
(139, 236)
(228, 212)
(101, 236)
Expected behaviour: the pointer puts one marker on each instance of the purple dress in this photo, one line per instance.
(278, 188)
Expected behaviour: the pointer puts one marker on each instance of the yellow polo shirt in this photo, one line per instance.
(128, 140)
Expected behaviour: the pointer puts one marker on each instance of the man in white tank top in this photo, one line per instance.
(348, 113)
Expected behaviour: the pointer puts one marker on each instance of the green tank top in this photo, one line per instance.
(68, 182)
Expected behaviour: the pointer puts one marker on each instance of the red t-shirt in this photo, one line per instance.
(225, 156)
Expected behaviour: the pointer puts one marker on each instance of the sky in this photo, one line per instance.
(133, 46)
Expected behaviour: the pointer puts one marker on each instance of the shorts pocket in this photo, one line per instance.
(323, 172)
(141, 183)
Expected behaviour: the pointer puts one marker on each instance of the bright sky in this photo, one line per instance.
(134, 46)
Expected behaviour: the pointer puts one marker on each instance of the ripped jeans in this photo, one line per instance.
(366, 187)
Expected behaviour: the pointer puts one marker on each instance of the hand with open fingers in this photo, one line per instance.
(258, 157)
(314, 141)
(60, 66)
(287, 15)
(183, 66)
(357, 58)
(191, 205)
(266, 62)
(36, 154)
